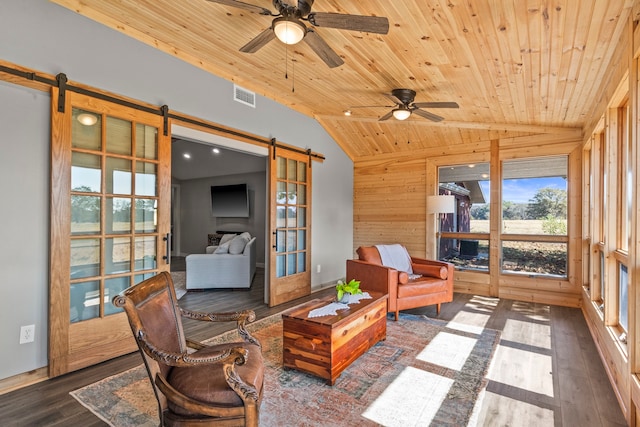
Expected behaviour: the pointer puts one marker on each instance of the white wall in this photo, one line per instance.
(51, 39)
(24, 225)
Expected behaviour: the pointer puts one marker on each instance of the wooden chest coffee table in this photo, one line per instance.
(325, 346)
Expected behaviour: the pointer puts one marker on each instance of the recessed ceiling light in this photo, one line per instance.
(186, 155)
(472, 165)
(216, 151)
(485, 175)
(347, 112)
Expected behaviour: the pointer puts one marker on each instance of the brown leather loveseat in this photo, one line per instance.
(434, 286)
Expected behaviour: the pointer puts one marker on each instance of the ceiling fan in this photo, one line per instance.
(405, 106)
(289, 28)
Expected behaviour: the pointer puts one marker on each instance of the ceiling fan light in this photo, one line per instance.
(289, 31)
(401, 113)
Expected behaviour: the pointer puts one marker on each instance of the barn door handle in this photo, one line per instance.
(275, 240)
(167, 248)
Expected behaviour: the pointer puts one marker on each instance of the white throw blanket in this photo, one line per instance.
(332, 308)
(395, 256)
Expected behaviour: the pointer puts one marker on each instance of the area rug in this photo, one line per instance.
(423, 374)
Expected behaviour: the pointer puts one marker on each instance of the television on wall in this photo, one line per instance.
(230, 201)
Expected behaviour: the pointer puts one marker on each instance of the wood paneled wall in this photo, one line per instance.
(621, 358)
(390, 207)
(389, 203)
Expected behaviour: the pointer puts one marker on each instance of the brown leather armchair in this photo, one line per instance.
(208, 386)
(435, 285)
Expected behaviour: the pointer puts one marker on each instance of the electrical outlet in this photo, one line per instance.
(318, 269)
(27, 333)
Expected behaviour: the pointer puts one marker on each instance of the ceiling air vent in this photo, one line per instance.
(244, 96)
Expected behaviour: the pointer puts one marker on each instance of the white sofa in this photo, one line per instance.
(222, 270)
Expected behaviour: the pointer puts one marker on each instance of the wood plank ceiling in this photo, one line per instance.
(515, 67)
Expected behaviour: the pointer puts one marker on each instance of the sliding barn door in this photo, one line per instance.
(110, 206)
(290, 254)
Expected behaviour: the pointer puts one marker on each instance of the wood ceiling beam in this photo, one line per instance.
(511, 127)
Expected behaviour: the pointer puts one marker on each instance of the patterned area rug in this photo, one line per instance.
(424, 373)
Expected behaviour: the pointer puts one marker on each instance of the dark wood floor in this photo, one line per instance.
(581, 393)
(546, 370)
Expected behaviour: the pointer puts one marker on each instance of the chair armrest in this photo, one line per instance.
(236, 316)
(432, 268)
(373, 277)
(234, 355)
(241, 317)
(196, 345)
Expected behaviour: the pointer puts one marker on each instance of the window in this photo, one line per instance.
(601, 281)
(623, 297)
(465, 233)
(624, 170)
(612, 176)
(534, 216)
(599, 201)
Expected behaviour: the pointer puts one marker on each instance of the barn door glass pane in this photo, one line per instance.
(86, 129)
(118, 136)
(146, 142)
(114, 218)
(291, 208)
(85, 214)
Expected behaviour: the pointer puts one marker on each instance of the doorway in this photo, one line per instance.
(200, 161)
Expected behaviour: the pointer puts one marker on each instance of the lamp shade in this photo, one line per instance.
(289, 31)
(441, 204)
(401, 113)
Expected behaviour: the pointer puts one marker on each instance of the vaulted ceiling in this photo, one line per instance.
(514, 67)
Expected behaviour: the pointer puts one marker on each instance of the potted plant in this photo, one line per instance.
(345, 289)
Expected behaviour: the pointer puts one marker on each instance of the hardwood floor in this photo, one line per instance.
(546, 371)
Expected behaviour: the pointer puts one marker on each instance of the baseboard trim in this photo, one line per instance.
(22, 380)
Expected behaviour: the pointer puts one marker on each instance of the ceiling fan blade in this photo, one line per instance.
(386, 116)
(245, 6)
(260, 40)
(428, 115)
(373, 106)
(436, 105)
(394, 99)
(369, 24)
(322, 49)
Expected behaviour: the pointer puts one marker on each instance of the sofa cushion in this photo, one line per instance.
(369, 254)
(223, 248)
(206, 382)
(422, 286)
(236, 246)
(227, 238)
